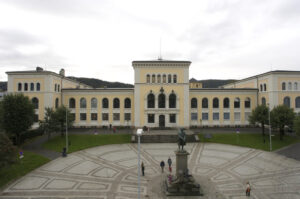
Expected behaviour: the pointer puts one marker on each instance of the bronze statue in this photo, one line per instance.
(181, 138)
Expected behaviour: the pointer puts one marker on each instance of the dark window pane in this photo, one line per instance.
(151, 118)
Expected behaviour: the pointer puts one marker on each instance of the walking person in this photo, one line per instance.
(162, 165)
(143, 169)
(170, 164)
(248, 189)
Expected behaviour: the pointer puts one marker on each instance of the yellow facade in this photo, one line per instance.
(163, 96)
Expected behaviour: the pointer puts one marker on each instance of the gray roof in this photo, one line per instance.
(161, 61)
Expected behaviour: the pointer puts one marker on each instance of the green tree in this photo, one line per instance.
(8, 152)
(260, 115)
(297, 124)
(50, 123)
(60, 117)
(16, 115)
(282, 116)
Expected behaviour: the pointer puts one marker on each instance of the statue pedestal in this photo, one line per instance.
(181, 162)
(181, 184)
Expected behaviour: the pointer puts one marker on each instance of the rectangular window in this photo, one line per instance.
(194, 116)
(94, 116)
(172, 118)
(73, 116)
(204, 116)
(247, 114)
(215, 116)
(105, 116)
(116, 116)
(226, 116)
(82, 116)
(151, 118)
(237, 116)
(127, 116)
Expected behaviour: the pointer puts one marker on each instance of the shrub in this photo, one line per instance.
(8, 152)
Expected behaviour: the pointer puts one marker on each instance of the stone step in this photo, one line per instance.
(165, 138)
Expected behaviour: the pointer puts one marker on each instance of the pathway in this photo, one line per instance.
(110, 171)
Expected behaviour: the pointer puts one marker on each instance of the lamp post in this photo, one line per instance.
(269, 110)
(139, 133)
(67, 144)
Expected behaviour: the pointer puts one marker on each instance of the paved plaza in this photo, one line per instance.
(110, 171)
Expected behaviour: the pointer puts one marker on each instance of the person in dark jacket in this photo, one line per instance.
(143, 169)
(162, 165)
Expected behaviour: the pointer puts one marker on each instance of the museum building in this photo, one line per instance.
(163, 96)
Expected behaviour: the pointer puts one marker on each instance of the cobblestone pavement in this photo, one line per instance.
(292, 151)
(110, 171)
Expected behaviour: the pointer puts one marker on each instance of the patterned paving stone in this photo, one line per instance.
(109, 172)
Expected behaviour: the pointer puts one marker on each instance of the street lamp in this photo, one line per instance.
(139, 133)
(67, 143)
(269, 110)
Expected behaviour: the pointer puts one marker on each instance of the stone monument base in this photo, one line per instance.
(181, 184)
(187, 187)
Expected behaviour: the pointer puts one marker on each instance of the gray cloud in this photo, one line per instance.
(11, 40)
(63, 7)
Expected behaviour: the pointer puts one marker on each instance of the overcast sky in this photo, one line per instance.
(100, 38)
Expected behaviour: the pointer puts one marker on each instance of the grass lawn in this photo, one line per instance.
(251, 140)
(80, 142)
(21, 167)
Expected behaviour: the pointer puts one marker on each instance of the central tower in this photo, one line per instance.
(161, 92)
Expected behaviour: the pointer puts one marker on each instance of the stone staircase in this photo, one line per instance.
(163, 138)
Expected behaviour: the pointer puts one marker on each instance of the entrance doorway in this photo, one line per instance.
(162, 121)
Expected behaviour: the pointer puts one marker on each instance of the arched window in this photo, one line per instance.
(150, 101)
(55, 87)
(297, 102)
(38, 86)
(169, 78)
(153, 78)
(31, 86)
(164, 79)
(116, 103)
(174, 78)
(19, 86)
(35, 102)
(104, 103)
(94, 103)
(158, 78)
(161, 101)
(287, 101)
(265, 87)
(295, 86)
(226, 103)
(148, 78)
(215, 103)
(194, 103)
(237, 102)
(283, 86)
(127, 103)
(263, 101)
(204, 103)
(72, 103)
(83, 103)
(25, 87)
(56, 103)
(261, 87)
(290, 86)
(172, 100)
(247, 102)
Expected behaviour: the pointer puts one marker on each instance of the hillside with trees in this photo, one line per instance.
(213, 83)
(97, 83)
